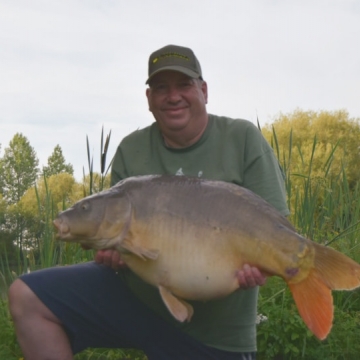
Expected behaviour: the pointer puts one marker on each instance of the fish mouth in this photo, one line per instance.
(63, 230)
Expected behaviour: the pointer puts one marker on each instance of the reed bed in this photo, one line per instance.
(325, 209)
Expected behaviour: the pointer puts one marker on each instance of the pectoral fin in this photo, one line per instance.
(180, 309)
(141, 252)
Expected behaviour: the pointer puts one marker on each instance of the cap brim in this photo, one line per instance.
(181, 69)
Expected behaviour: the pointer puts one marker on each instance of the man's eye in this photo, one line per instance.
(185, 84)
(159, 87)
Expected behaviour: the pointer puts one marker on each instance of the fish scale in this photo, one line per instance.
(183, 266)
(189, 236)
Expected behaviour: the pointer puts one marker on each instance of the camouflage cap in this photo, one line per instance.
(177, 58)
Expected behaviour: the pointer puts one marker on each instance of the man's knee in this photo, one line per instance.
(23, 302)
(20, 295)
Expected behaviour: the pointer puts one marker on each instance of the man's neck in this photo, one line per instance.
(178, 141)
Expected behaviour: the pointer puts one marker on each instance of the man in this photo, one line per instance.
(62, 310)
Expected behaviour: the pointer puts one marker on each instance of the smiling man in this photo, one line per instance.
(178, 105)
(60, 311)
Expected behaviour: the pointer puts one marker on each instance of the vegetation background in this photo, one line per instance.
(320, 156)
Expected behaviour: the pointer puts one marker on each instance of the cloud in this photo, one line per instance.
(69, 67)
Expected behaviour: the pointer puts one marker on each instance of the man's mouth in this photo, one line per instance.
(174, 110)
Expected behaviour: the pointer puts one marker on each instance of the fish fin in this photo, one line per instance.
(337, 270)
(180, 309)
(315, 303)
(332, 271)
(141, 252)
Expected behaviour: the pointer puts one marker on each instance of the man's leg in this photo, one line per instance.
(96, 309)
(39, 332)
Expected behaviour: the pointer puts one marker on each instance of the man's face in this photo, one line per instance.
(177, 101)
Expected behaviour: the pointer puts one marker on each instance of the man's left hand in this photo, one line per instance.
(250, 276)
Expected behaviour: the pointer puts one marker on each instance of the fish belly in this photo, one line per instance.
(194, 264)
(192, 280)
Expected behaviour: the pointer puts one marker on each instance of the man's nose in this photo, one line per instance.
(173, 94)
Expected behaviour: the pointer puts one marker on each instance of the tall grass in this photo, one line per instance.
(324, 209)
(104, 168)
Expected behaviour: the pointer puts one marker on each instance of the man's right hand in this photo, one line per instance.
(110, 258)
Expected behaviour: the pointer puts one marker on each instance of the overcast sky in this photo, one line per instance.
(69, 67)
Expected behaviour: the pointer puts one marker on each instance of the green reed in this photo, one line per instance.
(324, 208)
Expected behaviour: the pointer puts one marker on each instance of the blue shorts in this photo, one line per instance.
(98, 310)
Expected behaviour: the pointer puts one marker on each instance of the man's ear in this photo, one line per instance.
(148, 97)
(204, 89)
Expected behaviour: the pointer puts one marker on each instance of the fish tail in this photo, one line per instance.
(315, 303)
(332, 271)
(337, 270)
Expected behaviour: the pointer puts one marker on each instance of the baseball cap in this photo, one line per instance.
(177, 58)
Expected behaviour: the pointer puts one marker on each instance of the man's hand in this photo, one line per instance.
(110, 258)
(249, 277)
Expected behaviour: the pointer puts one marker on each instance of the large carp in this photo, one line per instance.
(188, 237)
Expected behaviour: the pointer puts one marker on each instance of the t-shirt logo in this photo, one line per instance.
(181, 173)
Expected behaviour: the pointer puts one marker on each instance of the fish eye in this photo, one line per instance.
(85, 206)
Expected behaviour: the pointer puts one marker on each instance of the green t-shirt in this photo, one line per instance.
(229, 150)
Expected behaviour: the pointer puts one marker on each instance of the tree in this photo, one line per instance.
(1, 171)
(7, 237)
(96, 182)
(19, 168)
(41, 203)
(320, 155)
(62, 189)
(56, 164)
(3, 207)
(2, 210)
(321, 143)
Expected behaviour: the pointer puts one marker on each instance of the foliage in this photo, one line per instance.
(56, 164)
(18, 173)
(296, 133)
(3, 207)
(110, 354)
(324, 199)
(9, 348)
(39, 205)
(19, 168)
(6, 237)
(1, 176)
(324, 206)
(95, 182)
(62, 187)
(284, 335)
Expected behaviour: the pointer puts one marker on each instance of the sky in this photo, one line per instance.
(69, 68)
